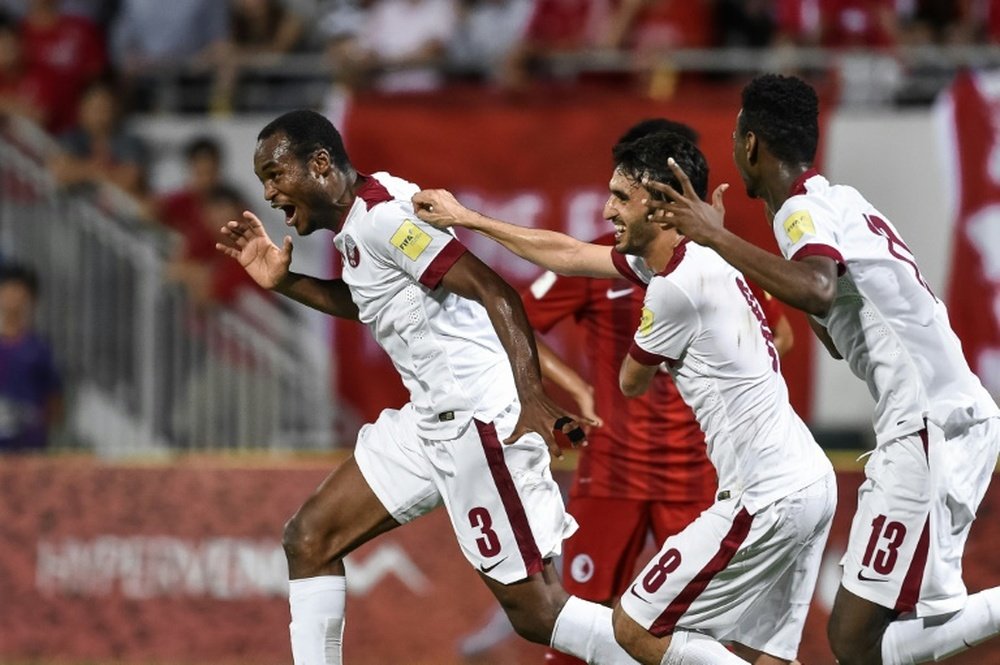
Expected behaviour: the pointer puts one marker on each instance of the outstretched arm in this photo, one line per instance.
(247, 242)
(809, 284)
(558, 372)
(555, 251)
(471, 278)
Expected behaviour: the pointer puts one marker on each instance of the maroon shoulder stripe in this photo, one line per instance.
(621, 264)
(816, 249)
(442, 263)
(510, 498)
(665, 623)
(372, 192)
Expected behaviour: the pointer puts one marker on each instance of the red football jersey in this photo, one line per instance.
(650, 447)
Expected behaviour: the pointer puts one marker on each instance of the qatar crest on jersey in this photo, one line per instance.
(351, 252)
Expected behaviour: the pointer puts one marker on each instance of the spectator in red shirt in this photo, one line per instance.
(24, 91)
(186, 207)
(68, 48)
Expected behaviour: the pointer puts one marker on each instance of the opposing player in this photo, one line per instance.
(743, 572)
(644, 469)
(458, 336)
(902, 599)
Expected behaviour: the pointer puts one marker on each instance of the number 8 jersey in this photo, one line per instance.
(885, 320)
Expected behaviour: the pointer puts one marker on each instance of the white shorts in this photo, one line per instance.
(737, 577)
(505, 508)
(915, 509)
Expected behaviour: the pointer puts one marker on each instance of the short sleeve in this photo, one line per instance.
(668, 324)
(633, 268)
(402, 239)
(804, 230)
(551, 298)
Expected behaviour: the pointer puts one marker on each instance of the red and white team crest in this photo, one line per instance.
(582, 568)
(351, 252)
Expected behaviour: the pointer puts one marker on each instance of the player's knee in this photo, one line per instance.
(851, 647)
(303, 543)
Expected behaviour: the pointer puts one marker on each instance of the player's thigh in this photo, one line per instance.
(599, 559)
(709, 576)
(913, 513)
(505, 508)
(774, 622)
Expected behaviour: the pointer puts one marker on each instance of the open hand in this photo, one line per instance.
(246, 241)
(684, 210)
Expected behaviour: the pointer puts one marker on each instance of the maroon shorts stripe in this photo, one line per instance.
(510, 498)
(667, 621)
(909, 593)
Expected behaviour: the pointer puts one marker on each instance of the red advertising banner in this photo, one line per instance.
(541, 161)
(974, 285)
(182, 564)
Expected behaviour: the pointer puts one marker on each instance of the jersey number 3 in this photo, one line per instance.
(489, 542)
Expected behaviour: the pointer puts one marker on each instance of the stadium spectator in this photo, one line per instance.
(146, 35)
(488, 31)
(185, 207)
(258, 29)
(68, 48)
(101, 149)
(555, 27)
(902, 598)
(745, 23)
(25, 91)
(31, 402)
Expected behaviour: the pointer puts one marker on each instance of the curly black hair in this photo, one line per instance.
(308, 131)
(783, 111)
(647, 158)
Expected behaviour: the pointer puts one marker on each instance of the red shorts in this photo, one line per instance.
(599, 560)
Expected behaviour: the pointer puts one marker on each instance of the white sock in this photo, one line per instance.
(925, 640)
(584, 629)
(688, 648)
(317, 627)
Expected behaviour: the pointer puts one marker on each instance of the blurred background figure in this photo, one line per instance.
(258, 29)
(488, 30)
(101, 150)
(148, 35)
(186, 207)
(31, 402)
(25, 90)
(67, 48)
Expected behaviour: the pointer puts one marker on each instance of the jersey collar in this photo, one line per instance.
(799, 186)
(679, 251)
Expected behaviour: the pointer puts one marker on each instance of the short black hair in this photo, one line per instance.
(647, 158)
(308, 131)
(783, 111)
(654, 125)
(203, 146)
(19, 273)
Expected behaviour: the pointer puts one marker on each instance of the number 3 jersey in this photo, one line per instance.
(885, 320)
(702, 319)
(443, 346)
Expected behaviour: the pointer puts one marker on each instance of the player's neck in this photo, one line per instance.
(776, 186)
(662, 250)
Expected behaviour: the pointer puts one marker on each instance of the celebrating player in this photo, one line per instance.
(902, 599)
(776, 493)
(459, 338)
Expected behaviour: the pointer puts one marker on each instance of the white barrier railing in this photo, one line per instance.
(146, 371)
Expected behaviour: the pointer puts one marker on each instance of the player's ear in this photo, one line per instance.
(320, 162)
(751, 145)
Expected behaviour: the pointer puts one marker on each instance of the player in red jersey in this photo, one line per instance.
(645, 468)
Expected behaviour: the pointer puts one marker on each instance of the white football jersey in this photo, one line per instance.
(443, 346)
(702, 319)
(885, 321)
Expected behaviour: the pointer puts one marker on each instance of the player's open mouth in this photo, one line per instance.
(289, 211)
(619, 232)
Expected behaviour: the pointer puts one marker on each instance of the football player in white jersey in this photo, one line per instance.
(707, 586)
(458, 336)
(902, 599)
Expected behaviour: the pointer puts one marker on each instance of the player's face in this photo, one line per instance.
(625, 209)
(306, 190)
